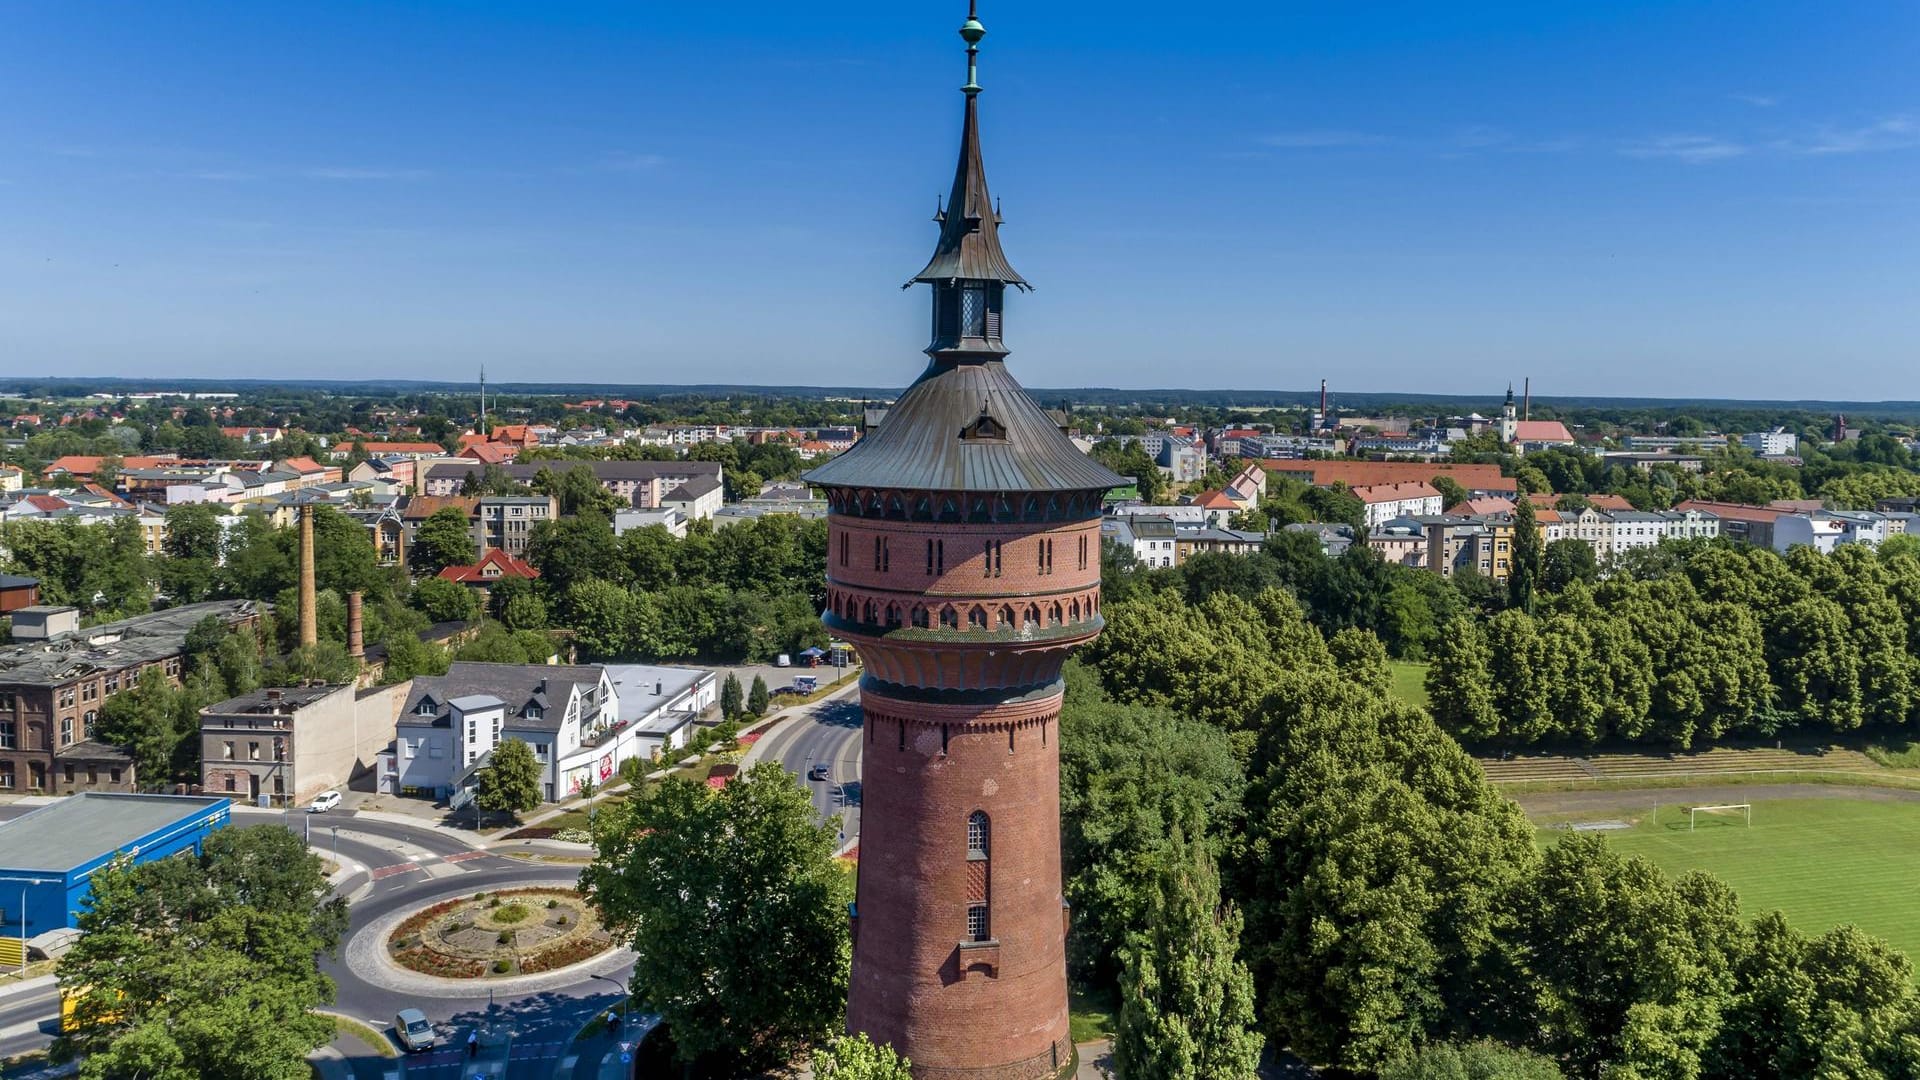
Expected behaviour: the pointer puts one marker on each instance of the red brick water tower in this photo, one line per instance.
(964, 565)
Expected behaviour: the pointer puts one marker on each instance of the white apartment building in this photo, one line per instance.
(1612, 532)
(451, 723)
(1150, 538)
(1828, 529)
(1384, 502)
(1773, 443)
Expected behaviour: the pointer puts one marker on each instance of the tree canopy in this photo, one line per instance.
(735, 909)
(204, 967)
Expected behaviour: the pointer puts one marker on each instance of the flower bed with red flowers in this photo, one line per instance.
(455, 939)
(418, 921)
(571, 952)
(428, 962)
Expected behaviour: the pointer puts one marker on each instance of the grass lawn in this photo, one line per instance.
(1895, 753)
(375, 1040)
(1822, 861)
(1090, 1018)
(1409, 681)
(576, 818)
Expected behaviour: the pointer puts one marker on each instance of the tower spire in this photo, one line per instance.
(969, 246)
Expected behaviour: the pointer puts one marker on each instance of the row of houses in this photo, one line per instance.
(1157, 540)
(432, 736)
(1788, 523)
(285, 744)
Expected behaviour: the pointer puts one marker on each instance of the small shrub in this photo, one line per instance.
(573, 836)
(510, 913)
(562, 921)
(505, 937)
(479, 896)
(551, 904)
(493, 901)
(500, 967)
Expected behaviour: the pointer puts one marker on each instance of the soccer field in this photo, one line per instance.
(1822, 861)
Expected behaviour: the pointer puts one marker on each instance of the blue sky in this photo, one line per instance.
(1614, 198)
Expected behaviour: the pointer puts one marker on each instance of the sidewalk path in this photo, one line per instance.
(1096, 1060)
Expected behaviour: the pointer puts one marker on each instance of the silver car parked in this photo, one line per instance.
(414, 1031)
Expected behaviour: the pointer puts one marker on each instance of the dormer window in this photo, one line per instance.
(425, 708)
(984, 427)
(533, 712)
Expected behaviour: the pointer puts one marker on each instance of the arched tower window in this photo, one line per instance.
(979, 835)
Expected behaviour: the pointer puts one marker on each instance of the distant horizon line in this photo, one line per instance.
(1220, 397)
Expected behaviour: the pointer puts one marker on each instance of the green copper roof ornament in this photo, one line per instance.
(971, 32)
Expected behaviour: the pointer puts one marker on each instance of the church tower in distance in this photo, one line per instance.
(963, 563)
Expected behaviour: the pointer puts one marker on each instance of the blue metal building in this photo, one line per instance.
(48, 856)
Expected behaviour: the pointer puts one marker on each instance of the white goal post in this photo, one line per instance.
(1694, 811)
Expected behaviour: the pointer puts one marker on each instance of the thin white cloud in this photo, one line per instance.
(1692, 149)
(1321, 140)
(222, 175)
(335, 173)
(1889, 133)
(1758, 101)
(635, 162)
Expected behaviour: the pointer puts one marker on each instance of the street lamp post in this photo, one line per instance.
(336, 844)
(26, 883)
(626, 996)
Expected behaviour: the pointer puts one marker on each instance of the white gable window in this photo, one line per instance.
(425, 707)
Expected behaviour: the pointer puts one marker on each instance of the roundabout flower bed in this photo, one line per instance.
(499, 934)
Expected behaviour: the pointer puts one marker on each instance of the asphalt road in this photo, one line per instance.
(828, 734)
(395, 867)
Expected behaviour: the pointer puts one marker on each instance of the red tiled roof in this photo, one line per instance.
(1732, 511)
(1361, 473)
(105, 494)
(503, 565)
(46, 502)
(88, 464)
(77, 464)
(1406, 489)
(1526, 431)
(1215, 500)
(422, 507)
(489, 453)
(346, 447)
(1492, 504)
(304, 465)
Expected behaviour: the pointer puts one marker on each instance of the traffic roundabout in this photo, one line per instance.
(523, 931)
(461, 938)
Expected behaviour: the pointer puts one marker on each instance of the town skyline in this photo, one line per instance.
(1433, 202)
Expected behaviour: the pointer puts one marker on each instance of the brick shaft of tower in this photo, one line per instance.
(963, 564)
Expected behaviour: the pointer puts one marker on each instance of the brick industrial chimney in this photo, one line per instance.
(356, 646)
(309, 617)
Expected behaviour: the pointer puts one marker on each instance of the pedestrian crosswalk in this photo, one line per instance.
(428, 863)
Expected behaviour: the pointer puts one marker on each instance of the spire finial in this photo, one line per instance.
(971, 32)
